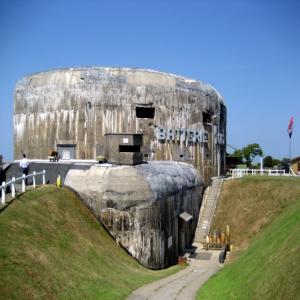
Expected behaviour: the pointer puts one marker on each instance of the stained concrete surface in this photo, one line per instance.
(141, 206)
(76, 107)
(184, 284)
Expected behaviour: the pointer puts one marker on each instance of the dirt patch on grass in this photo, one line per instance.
(37, 256)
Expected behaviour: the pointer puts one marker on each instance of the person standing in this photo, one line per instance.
(24, 165)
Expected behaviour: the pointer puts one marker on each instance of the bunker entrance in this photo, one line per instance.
(183, 220)
(66, 151)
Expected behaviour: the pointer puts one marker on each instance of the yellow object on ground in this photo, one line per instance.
(58, 181)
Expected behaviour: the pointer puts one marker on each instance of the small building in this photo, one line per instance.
(123, 148)
(295, 165)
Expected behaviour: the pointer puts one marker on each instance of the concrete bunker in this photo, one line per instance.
(128, 116)
(181, 119)
(150, 209)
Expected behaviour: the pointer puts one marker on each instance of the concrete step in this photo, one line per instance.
(209, 207)
(209, 204)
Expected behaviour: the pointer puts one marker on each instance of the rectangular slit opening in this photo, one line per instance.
(128, 148)
(206, 117)
(145, 112)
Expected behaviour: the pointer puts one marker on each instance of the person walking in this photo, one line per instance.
(24, 165)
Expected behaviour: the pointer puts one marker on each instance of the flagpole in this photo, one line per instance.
(290, 147)
(290, 154)
(290, 133)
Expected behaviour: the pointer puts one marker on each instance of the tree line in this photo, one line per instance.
(247, 154)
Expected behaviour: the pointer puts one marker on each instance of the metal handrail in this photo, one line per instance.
(13, 181)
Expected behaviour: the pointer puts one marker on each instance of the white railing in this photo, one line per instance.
(12, 184)
(292, 171)
(242, 172)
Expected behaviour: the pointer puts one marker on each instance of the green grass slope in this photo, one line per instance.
(52, 247)
(269, 268)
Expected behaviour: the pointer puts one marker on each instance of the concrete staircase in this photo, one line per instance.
(208, 206)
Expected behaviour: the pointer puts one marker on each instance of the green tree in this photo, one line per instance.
(285, 164)
(276, 162)
(238, 153)
(268, 161)
(248, 153)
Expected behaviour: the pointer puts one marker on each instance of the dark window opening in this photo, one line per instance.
(207, 152)
(146, 155)
(206, 117)
(222, 113)
(128, 148)
(145, 112)
(181, 155)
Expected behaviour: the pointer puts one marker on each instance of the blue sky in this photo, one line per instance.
(248, 50)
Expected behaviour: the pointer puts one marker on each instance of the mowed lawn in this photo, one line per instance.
(52, 247)
(264, 215)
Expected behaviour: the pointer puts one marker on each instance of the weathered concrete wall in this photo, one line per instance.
(140, 206)
(80, 105)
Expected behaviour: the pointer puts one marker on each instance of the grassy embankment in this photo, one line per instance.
(52, 247)
(264, 217)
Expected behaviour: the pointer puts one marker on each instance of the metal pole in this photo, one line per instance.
(33, 179)
(13, 187)
(3, 193)
(290, 151)
(290, 148)
(23, 183)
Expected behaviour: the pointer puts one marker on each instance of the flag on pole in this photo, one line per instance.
(290, 127)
